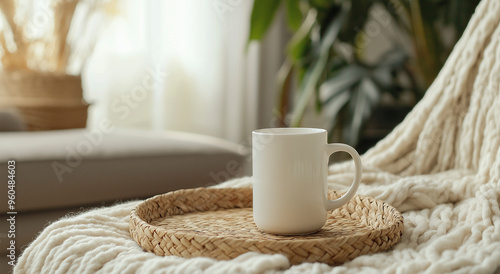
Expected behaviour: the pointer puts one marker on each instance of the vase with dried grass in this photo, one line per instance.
(44, 46)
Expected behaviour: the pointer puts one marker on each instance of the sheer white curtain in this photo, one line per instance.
(178, 65)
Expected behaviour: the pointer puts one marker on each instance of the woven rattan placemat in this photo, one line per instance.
(218, 223)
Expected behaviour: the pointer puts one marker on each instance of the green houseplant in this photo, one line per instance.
(327, 54)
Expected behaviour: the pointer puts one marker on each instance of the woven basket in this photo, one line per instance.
(218, 223)
(45, 101)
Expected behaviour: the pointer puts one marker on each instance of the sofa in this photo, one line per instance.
(61, 172)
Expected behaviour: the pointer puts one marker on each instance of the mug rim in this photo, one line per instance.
(289, 131)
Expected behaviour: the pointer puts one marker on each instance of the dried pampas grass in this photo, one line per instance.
(50, 36)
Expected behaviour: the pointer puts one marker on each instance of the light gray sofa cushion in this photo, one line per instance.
(68, 168)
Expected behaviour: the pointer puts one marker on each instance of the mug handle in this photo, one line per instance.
(332, 148)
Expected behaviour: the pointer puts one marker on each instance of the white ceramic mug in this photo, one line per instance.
(290, 168)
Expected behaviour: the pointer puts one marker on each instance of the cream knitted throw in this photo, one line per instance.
(440, 167)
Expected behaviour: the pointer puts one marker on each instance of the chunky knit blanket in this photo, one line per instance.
(440, 167)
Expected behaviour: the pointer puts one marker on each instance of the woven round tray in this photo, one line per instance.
(218, 223)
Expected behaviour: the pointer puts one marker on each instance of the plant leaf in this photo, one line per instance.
(299, 41)
(426, 39)
(293, 14)
(357, 107)
(332, 109)
(283, 89)
(382, 76)
(322, 4)
(313, 75)
(392, 60)
(356, 20)
(365, 96)
(262, 15)
(343, 80)
(370, 91)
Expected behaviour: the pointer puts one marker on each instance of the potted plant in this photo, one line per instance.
(43, 50)
(327, 56)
